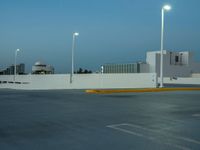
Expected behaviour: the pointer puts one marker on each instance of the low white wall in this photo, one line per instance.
(189, 80)
(81, 81)
(196, 75)
(132, 80)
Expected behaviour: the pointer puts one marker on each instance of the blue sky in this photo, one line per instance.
(111, 31)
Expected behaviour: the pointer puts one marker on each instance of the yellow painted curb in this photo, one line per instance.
(108, 91)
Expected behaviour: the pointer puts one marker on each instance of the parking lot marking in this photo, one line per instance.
(177, 137)
(196, 115)
(119, 127)
(141, 90)
(116, 127)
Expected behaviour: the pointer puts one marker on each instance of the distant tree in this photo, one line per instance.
(85, 71)
(81, 71)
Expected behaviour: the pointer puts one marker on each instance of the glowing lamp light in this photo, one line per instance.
(167, 7)
(76, 34)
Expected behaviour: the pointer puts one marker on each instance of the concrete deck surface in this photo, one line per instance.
(75, 120)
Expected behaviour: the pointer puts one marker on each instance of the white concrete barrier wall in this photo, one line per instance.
(81, 81)
(189, 80)
(196, 75)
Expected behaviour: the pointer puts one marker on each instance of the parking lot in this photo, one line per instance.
(75, 120)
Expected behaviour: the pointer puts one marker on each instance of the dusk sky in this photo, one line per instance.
(111, 31)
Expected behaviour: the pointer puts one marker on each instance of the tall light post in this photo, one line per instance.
(164, 8)
(73, 47)
(15, 67)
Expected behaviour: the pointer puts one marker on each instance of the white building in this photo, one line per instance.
(139, 67)
(41, 68)
(175, 64)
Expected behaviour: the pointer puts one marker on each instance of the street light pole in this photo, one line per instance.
(73, 47)
(167, 8)
(15, 67)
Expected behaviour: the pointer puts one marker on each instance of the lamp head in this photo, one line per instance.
(76, 34)
(17, 50)
(167, 7)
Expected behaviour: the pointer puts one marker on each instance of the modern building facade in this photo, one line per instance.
(20, 69)
(139, 67)
(41, 68)
(175, 64)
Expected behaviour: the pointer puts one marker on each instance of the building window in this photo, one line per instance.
(170, 58)
(181, 59)
(176, 59)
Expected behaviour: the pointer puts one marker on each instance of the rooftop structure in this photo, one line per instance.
(175, 64)
(41, 68)
(139, 67)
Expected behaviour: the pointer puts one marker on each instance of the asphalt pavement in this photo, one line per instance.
(75, 120)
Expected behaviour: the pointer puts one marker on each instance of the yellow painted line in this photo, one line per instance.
(109, 91)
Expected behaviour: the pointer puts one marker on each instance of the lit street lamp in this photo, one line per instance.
(73, 46)
(164, 8)
(15, 68)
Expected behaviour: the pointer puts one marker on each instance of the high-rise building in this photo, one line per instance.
(20, 69)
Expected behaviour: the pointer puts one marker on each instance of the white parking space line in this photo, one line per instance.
(158, 131)
(119, 127)
(196, 115)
